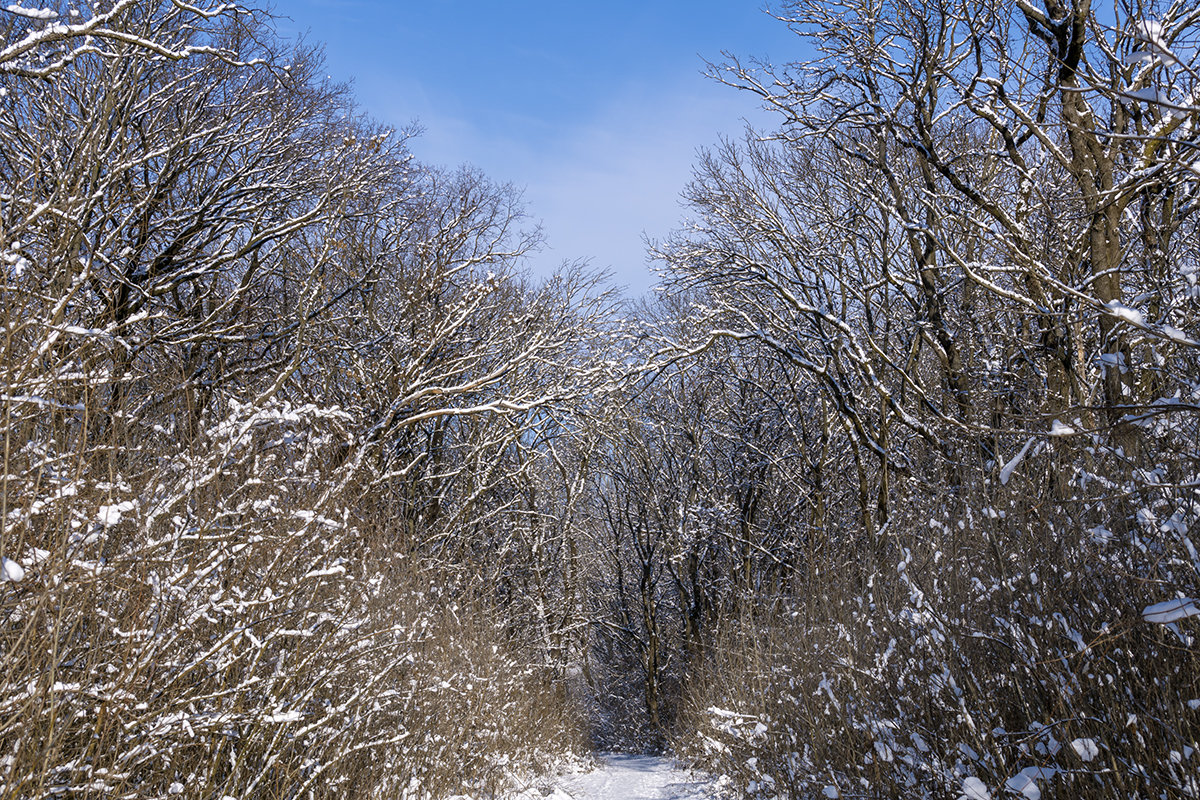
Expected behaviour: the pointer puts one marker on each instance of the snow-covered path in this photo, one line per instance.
(629, 777)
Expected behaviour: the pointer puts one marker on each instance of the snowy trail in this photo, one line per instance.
(630, 777)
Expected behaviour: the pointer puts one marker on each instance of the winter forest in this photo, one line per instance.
(310, 490)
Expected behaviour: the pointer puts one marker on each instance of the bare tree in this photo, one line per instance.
(44, 40)
(272, 394)
(964, 250)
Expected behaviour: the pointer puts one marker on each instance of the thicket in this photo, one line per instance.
(931, 413)
(280, 414)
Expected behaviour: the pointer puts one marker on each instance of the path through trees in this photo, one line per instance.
(309, 491)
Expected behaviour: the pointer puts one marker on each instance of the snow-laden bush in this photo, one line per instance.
(257, 398)
(1000, 649)
(220, 630)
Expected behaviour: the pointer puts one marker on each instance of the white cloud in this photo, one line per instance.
(601, 185)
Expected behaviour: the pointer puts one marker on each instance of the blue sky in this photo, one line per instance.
(596, 110)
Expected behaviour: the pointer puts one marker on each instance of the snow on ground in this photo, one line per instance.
(630, 777)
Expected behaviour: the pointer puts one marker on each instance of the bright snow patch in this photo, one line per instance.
(1025, 781)
(1171, 610)
(975, 789)
(32, 13)
(1148, 30)
(1125, 312)
(1086, 748)
(1059, 429)
(1170, 331)
(111, 515)
(831, 792)
(1007, 471)
(1151, 33)
(532, 794)
(629, 777)
(1150, 94)
(11, 570)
